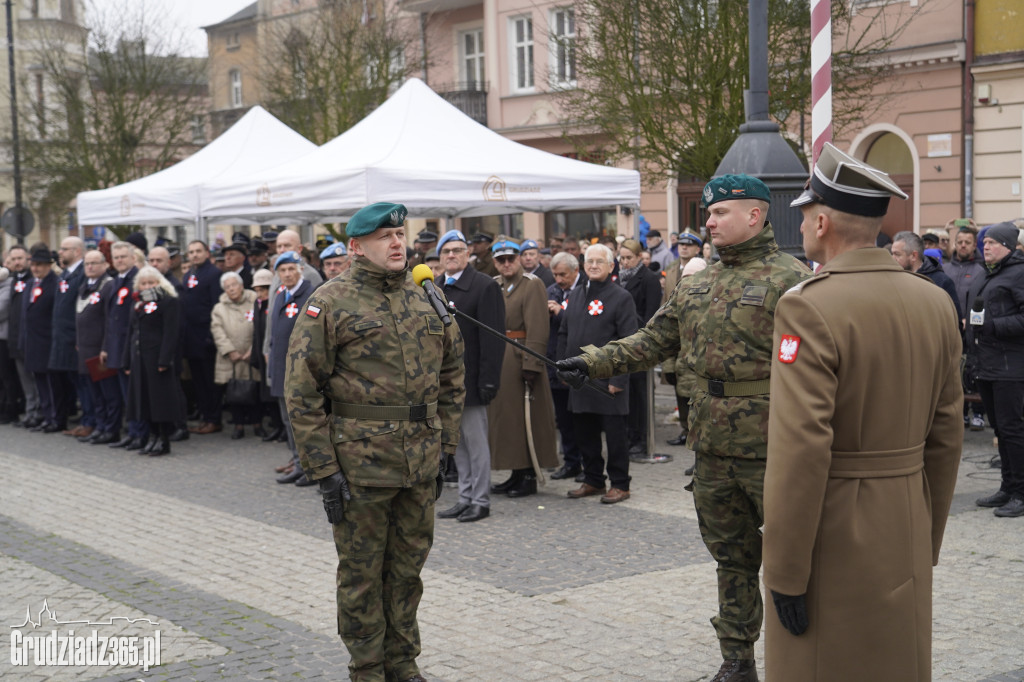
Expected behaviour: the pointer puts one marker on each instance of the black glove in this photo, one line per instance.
(442, 469)
(792, 612)
(670, 377)
(487, 393)
(573, 371)
(530, 376)
(334, 490)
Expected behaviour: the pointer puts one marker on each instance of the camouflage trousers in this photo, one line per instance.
(729, 496)
(382, 543)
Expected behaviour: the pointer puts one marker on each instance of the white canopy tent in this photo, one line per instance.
(171, 196)
(419, 150)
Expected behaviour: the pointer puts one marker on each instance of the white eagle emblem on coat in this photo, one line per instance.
(788, 348)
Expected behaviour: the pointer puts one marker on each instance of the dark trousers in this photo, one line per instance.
(64, 394)
(1004, 403)
(136, 427)
(637, 417)
(11, 398)
(106, 404)
(47, 405)
(209, 395)
(588, 428)
(571, 456)
(245, 414)
(84, 392)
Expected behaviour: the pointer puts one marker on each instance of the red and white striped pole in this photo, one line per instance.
(821, 75)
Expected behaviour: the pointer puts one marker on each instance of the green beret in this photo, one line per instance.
(369, 218)
(728, 187)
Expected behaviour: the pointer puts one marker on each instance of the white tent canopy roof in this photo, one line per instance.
(418, 150)
(171, 196)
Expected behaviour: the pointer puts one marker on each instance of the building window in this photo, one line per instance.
(471, 58)
(198, 129)
(67, 11)
(522, 54)
(563, 46)
(232, 41)
(35, 9)
(235, 93)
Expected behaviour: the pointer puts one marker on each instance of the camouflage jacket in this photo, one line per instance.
(371, 338)
(719, 322)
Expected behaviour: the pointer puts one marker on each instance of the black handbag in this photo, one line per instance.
(242, 391)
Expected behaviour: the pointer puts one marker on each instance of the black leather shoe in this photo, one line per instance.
(163, 447)
(736, 671)
(238, 433)
(123, 443)
(40, 427)
(475, 512)
(689, 470)
(53, 427)
(580, 477)
(1015, 507)
(258, 431)
(290, 477)
(178, 435)
(678, 440)
(272, 434)
(32, 423)
(997, 500)
(151, 444)
(527, 486)
(105, 439)
(638, 449)
(282, 437)
(505, 486)
(136, 444)
(305, 481)
(565, 472)
(453, 512)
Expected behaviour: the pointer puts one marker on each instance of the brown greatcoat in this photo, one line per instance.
(526, 309)
(864, 441)
(232, 328)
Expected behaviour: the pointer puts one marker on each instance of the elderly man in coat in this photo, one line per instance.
(599, 312)
(526, 320)
(36, 336)
(864, 440)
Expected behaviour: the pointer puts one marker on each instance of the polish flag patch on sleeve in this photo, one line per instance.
(788, 347)
(313, 311)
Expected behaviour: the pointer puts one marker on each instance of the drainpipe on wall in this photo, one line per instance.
(423, 46)
(968, 110)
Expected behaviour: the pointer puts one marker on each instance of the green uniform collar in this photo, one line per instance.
(364, 270)
(758, 246)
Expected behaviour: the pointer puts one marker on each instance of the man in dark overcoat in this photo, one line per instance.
(21, 277)
(479, 296)
(63, 355)
(115, 339)
(202, 291)
(36, 335)
(90, 325)
(285, 308)
(599, 313)
(565, 268)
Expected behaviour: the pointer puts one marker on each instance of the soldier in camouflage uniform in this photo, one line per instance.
(375, 391)
(720, 322)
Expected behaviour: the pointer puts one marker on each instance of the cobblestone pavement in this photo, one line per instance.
(237, 573)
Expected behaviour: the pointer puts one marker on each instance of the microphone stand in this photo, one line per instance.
(543, 358)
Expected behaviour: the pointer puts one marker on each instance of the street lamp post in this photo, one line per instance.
(760, 150)
(15, 148)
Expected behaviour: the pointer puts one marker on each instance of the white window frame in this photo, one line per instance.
(521, 82)
(478, 57)
(562, 48)
(235, 88)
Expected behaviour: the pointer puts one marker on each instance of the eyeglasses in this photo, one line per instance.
(505, 259)
(453, 252)
(596, 261)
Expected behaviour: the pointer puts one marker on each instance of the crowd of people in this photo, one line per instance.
(133, 343)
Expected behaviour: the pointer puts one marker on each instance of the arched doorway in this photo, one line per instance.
(890, 149)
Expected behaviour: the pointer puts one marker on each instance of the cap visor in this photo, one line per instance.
(806, 198)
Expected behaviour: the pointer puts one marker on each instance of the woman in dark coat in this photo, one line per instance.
(154, 394)
(645, 288)
(261, 281)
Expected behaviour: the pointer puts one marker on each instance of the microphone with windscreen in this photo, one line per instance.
(977, 317)
(424, 277)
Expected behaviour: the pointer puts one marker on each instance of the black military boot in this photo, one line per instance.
(736, 671)
(513, 481)
(526, 486)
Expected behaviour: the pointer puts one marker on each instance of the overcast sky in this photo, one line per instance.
(187, 15)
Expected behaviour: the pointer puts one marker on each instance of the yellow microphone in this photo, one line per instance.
(423, 276)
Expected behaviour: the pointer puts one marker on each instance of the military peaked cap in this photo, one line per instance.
(846, 184)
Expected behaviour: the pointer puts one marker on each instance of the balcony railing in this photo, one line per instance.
(470, 97)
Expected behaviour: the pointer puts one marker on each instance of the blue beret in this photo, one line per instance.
(333, 251)
(730, 186)
(288, 257)
(505, 248)
(528, 244)
(451, 236)
(369, 218)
